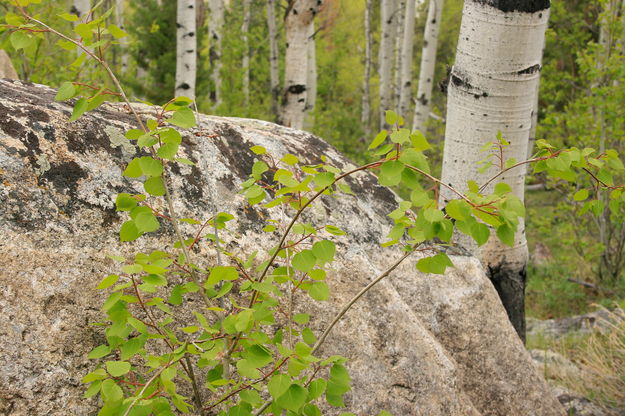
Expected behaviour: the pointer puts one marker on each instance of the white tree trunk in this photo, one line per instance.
(274, 62)
(119, 21)
(366, 87)
(385, 63)
(405, 87)
(215, 31)
(311, 79)
(397, 62)
(492, 90)
(245, 28)
(428, 64)
(299, 18)
(186, 46)
(80, 8)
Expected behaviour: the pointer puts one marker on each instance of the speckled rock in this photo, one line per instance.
(418, 344)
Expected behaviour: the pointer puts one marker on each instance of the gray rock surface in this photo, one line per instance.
(6, 66)
(418, 344)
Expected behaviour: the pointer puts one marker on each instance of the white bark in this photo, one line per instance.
(399, 17)
(405, 87)
(311, 79)
(81, 8)
(186, 46)
(492, 89)
(299, 18)
(366, 87)
(245, 28)
(215, 31)
(428, 64)
(119, 21)
(274, 63)
(385, 57)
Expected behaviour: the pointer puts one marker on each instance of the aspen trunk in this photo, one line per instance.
(299, 18)
(385, 57)
(186, 45)
(428, 64)
(119, 21)
(80, 8)
(274, 62)
(245, 28)
(311, 79)
(492, 90)
(397, 62)
(405, 87)
(366, 87)
(215, 30)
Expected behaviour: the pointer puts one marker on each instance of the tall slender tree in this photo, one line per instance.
(428, 63)
(81, 7)
(119, 21)
(405, 86)
(491, 91)
(245, 29)
(215, 33)
(186, 49)
(274, 61)
(299, 18)
(311, 79)
(385, 56)
(366, 84)
(399, 19)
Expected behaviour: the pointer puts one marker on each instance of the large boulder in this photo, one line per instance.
(418, 344)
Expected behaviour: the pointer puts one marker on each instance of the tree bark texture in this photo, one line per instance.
(186, 49)
(215, 31)
(80, 8)
(366, 85)
(491, 90)
(299, 18)
(311, 79)
(245, 28)
(119, 21)
(405, 88)
(385, 63)
(399, 18)
(428, 65)
(274, 61)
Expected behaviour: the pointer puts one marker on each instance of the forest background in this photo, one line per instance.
(577, 260)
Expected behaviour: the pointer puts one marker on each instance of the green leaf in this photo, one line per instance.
(316, 389)
(419, 142)
(278, 385)
(334, 230)
(79, 109)
(435, 264)
(250, 396)
(324, 250)
(319, 291)
(581, 195)
(108, 281)
(93, 389)
(301, 318)
(133, 170)
(99, 352)
(155, 280)
(125, 202)
(324, 179)
(293, 398)
(117, 368)
(66, 91)
(131, 347)
(502, 188)
(146, 222)
(183, 118)
(258, 169)
(480, 233)
(20, 39)
(506, 234)
(111, 392)
(117, 32)
(221, 273)
(155, 186)
(379, 139)
(391, 117)
(458, 209)
(390, 173)
(68, 16)
(259, 150)
(129, 231)
(290, 159)
(168, 151)
(304, 261)
(400, 136)
(151, 166)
